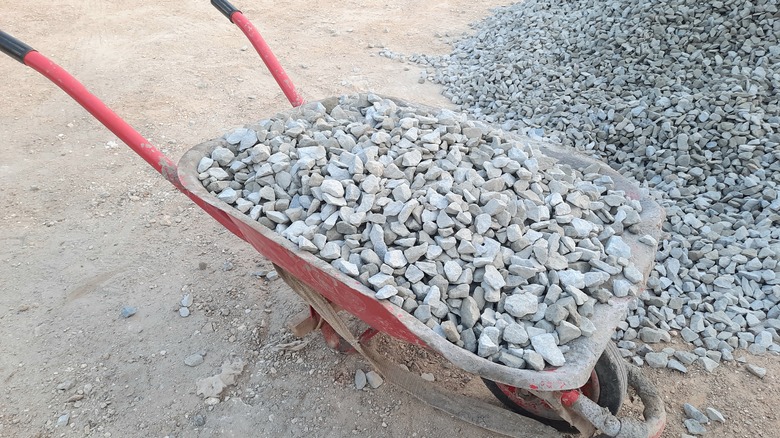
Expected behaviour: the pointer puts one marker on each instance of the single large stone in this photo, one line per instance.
(411, 158)
(228, 195)
(545, 345)
(694, 427)
(377, 237)
(521, 304)
(715, 415)
(452, 270)
(657, 360)
(652, 336)
(332, 187)
(223, 156)
(423, 312)
(567, 332)
(555, 313)
(482, 223)
(617, 247)
(534, 360)
(469, 312)
(515, 334)
(346, 267)
(386, 292)
(380, 280)
(488, 341)
(204, 164)
(450, 331)
(395, 258)
(511, 360)
(493, 278)
(572, 278)
(331, 251)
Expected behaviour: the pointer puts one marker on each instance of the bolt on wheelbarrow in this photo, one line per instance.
(584, 394)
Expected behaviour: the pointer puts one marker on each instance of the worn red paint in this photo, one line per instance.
(569, 397)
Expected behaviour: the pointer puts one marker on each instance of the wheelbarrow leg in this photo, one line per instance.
(333, 340)
(306, 324)
(313, 321)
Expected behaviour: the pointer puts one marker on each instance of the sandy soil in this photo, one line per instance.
(89, 228)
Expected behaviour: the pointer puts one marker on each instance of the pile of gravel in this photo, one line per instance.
(502, 250)
(682, 95)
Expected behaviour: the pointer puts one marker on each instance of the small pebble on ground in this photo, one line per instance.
(374, 379)
(128, 311)
(360, 379)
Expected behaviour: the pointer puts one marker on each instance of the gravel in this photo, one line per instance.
(194, 359)
(715, 415)
(693, 413)
(466, 227)
(756, 370)
(664, 93)
(708, 364)
(63, 420)
(694, 427)
(66, 385)
(657, 360)
(360, 379)
(186, 302)
(676, 365)
(128, 311)
(374, 379)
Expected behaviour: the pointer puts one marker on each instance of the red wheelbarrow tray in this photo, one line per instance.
(360, 301)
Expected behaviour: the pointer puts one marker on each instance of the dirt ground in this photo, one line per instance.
(89, 228)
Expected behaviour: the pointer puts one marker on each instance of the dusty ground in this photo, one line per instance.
(89, 228)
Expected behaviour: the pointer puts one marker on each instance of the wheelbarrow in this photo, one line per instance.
(583, 395)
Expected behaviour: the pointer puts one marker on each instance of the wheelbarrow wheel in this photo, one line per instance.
(607, 386)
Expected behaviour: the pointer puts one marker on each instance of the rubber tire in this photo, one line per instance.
(613, 384)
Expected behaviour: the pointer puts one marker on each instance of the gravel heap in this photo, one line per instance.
(495, 246)
(685, 97)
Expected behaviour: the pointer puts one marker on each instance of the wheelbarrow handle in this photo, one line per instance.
(140, 145)
(225, 7)
(236, 17)
(13, 47)
(76, 90)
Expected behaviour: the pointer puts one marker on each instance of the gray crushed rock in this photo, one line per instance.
(687, 110)
(418, 205)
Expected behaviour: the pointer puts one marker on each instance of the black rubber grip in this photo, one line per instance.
(13, 47)
(226, 8)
